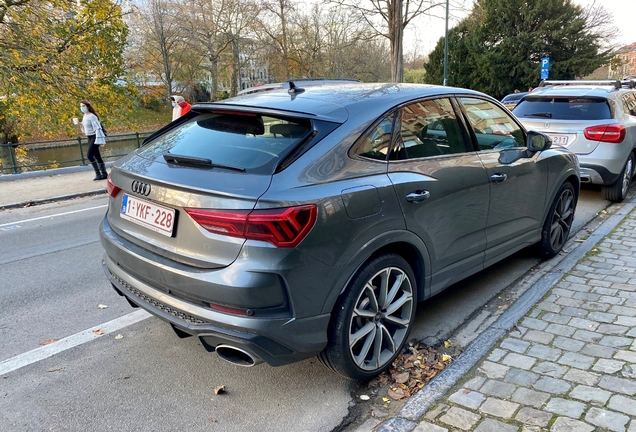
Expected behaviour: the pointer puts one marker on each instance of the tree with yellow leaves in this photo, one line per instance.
(53, 53)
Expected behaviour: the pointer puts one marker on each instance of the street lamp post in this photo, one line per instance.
(446, 47)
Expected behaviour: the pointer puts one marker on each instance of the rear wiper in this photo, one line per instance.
(197, 161)
(539, 114)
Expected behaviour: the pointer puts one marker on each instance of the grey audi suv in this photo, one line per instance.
(306, 222)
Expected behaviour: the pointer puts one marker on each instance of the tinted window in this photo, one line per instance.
(248, 141)
(429, 128)
(493, 127)
(376, 144)
(564, 108)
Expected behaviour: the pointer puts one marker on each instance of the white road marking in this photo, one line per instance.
(69, 342)
(52, 216)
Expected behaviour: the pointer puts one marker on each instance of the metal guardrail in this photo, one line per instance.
(34, 156)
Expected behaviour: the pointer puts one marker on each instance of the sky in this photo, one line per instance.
(427, 31)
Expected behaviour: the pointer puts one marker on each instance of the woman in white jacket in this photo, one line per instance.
(92, 128)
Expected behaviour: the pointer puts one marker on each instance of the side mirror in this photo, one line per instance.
(536, 141)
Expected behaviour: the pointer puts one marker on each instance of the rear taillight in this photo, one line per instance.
(283, 227)
(612, 133)
(112, 189)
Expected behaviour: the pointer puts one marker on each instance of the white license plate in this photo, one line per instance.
(155, 217)
(559, 139)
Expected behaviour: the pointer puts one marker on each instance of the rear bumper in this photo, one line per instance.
(275, 341)
(604, 165)
(597, 174)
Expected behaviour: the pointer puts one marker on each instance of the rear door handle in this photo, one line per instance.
(498, 177)
(418, 196)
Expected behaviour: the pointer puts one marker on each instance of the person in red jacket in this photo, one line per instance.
(179, 106)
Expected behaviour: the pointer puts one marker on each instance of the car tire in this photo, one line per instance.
(617, 191)
(558, 223)
(372, 319)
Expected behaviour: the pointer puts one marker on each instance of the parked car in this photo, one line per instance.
(277, 227)
(511, 100)
(594, 119)
(304, 82)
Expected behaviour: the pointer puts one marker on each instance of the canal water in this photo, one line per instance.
(59, 154)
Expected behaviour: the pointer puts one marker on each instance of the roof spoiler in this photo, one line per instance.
(615, 83)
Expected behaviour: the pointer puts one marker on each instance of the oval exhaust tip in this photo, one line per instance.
(236, 356)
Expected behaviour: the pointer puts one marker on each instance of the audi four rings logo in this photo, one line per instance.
(141, 188)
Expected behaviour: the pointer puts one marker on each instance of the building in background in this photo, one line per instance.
(623, 64)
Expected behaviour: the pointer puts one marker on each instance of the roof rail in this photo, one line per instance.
(629, 83)
(616, 83)
(323, 79)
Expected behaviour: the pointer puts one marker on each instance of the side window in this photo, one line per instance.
(376, 144)
(629, 100)
(429, 128)
(493, 127)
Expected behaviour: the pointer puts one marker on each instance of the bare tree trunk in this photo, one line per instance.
(236, 70)
(283, 23)
(214, 75)
(396, 37)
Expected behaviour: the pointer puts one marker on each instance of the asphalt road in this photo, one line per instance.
(140, 376)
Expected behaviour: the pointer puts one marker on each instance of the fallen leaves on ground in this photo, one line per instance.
(98, 332)
(219, 389)
(101, 306)
(54, 369)
(119, 336)
(48, 341)
(412, 370)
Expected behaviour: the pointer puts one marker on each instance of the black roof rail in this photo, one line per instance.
(616, 83)
(323, 79)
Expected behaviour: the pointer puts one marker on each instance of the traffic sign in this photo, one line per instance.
(545, 67)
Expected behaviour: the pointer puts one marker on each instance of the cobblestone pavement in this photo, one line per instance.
(568, 365)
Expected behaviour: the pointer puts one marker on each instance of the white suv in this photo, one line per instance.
(594, 119)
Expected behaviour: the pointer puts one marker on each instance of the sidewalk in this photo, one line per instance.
(562, 358)
(20, 190)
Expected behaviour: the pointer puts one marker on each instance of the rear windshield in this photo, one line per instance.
(564, 108)
(242, 140)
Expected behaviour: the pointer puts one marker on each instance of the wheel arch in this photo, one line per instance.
(402, 243)
(568, 176)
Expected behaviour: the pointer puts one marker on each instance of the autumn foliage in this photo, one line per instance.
(54, 54)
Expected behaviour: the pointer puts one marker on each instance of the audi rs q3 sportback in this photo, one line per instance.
(283, 225)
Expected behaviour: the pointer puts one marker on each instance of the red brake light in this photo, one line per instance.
(283, 227)
(612, 133)
(112, 189)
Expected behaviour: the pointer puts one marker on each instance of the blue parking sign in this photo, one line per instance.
(545, 67)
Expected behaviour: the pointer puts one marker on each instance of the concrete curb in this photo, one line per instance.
(418, 405)
(52, 199)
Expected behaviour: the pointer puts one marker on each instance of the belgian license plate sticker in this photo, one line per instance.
(559, 139)
(152, 216)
